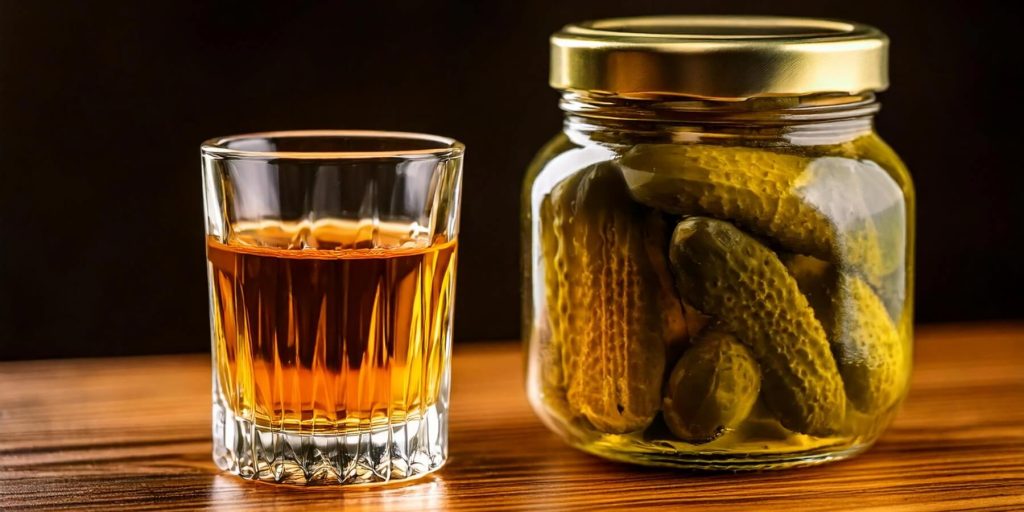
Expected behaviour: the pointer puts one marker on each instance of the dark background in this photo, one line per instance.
(103, 106)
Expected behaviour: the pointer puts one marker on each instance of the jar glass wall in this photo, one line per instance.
(718, 284)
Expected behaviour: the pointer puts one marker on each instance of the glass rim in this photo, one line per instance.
(447, 147)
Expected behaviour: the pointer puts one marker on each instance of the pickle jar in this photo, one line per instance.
(718, 247)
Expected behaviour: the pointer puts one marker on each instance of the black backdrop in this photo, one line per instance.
(103, 105)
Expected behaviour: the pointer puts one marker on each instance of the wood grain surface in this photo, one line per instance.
(100, 434)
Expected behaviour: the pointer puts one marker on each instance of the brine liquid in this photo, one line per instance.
(332, 338)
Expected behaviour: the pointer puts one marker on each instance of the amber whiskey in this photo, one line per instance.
(315, 333)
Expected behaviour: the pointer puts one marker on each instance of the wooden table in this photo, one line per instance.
(135, 432)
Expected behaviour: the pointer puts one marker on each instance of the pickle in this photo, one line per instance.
(734, 278)
(614, 297)
(712, 388)
(867, 347)
(554, 286)
(870, 350)
(838, 209)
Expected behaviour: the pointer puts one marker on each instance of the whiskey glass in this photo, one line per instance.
(331, 261)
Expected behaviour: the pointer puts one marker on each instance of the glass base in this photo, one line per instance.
(397, 452)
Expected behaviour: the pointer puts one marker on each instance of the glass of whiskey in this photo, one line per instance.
(331, 259)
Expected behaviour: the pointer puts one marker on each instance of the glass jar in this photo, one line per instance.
(718, 247)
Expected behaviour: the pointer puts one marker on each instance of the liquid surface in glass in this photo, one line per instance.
(318, 332)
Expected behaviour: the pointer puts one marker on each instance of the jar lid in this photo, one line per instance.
(719, 57)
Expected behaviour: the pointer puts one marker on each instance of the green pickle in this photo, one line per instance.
(555, 284)
(865, 342)
(868, 347)
(712, 388)
(846, 211)
(609, 287)
(733, 277)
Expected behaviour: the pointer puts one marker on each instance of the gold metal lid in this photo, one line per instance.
(719, 57)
